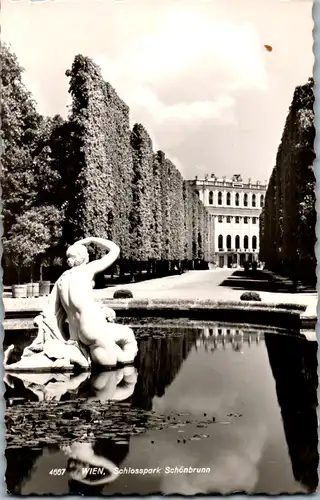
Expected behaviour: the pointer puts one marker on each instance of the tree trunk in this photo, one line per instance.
(31, 273)
(41, 271)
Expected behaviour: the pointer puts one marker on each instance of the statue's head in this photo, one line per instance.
(77, 254)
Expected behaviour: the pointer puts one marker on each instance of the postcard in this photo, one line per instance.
(159, 266)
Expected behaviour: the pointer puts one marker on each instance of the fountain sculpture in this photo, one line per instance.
(74, 331)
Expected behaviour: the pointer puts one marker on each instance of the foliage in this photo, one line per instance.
(176, 213)
(188, 221)
(103, 194)
(251, 296)
(91, 175)
(19, 132)
(289, 217)
(156, 237)
(123, 294)
(142, 216)
(34, 233)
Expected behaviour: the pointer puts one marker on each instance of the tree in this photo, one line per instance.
(164, 169)
(142, 220)
(188, 221)
(102, 156)
(34, 235)
(288, 225)
(156, 234)
(176, 213)
(19, 135)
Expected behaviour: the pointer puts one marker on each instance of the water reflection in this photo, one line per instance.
(78, 458)
(111, 385)
(219, 337)
(218, 371)
(159, 361)
(294, 367)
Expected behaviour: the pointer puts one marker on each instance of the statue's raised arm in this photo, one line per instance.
(99, 265)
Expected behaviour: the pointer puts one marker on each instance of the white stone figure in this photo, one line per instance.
(91, 337)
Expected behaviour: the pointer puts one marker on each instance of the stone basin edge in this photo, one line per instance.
(242, 311)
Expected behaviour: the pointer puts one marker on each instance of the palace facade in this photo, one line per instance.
(234, 207)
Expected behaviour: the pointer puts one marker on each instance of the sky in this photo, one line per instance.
(195, 73)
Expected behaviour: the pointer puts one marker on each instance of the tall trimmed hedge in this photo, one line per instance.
(289, 216)
(142, 215)
(103, 197)
(156, 233)
(103, 178)
(188, 221)
(176, 213)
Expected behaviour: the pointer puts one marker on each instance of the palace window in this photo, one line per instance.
(245, 200)
(246, 242)
(228, 218)
(237, 199)
(254, 220)
(253, 200)
(197, 192)
(219, 198)
(254, 242)
(220, 218)
(220, 242)
(229, 242)
(228, 198)
(261, 200)
(245, 220)
(237, 219)
(211, 198)
(237, 242)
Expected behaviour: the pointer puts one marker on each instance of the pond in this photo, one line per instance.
(207, 408)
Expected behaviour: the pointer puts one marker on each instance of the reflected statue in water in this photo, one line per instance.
(74, 330)
(82, 457)
(108, 385)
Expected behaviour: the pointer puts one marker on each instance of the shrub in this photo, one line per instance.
(250, 296)
(246, 266)
(123, 294)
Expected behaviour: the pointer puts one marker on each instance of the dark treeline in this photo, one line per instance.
(294, 366)
(159, 362)
(91, 175)
(289, 216)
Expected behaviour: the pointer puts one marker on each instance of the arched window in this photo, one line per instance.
(229, 242)
(228, 198)
(197, 192)
(261, 200)
(219, 198)
(237, 199)
(237, 242)
(246, 242)
(245, 200)
(253, 200)
(254, 242)
(220, 242)
(211, 198)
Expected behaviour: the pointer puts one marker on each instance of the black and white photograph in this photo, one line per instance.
(158, 247)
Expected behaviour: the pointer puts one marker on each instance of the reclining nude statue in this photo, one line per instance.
(74, 330)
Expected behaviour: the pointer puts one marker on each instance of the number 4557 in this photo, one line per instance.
(57, 472)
